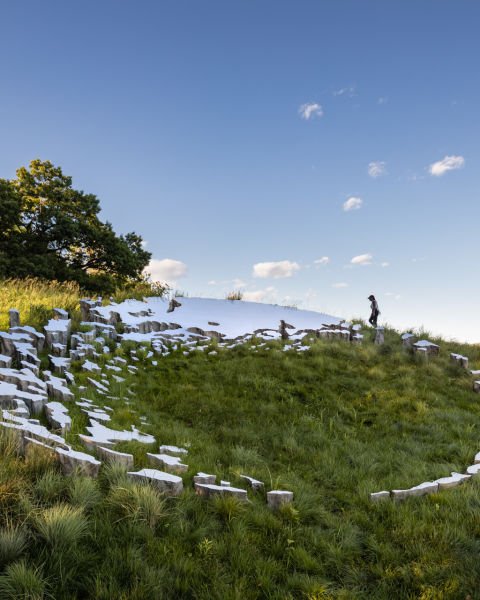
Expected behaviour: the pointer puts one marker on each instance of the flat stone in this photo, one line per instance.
(103, 434)
(430, 347)
(173, 450)
(473, 469)
(59, 364)
(58, 416)
(92, 443)
(72, 461)
(255, 484)
(91, 366)
(100, 387)
(380, 336)
(204, 478)
(277, 498)
(23, 379)
(445, 483)
(379, 496)
(169, 484)
(57, 388)
(462, 361)
(113, 457)
(34, 430)
(428, 487)
(14, 317)
(171, 464)
(5, 361)
(60, 313)
(7, 391)
(209, 490)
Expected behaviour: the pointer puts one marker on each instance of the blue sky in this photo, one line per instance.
(233, 133)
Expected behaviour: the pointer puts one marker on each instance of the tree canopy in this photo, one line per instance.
(50, 230)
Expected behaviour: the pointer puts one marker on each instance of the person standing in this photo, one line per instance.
(375, 311)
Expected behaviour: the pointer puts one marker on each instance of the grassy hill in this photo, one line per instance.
(331, 424)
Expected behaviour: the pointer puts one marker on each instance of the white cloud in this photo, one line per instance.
(324, 260)
(259, 295)
(362, 259)
(212, 282)
(377, 169)
(166, 270)
(382, 100)
(276, 270)
(449, 163)
(352, 203)
(339, 285)
(385, 264)
(310, 110)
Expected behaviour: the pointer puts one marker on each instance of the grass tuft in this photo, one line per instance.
(61, 526)
(13, 541)
(22, 582)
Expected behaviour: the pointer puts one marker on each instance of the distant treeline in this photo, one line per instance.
(50, 230)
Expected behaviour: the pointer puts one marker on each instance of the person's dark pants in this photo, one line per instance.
(373, 319)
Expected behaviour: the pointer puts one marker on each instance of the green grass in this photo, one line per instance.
(331, 424)
(36, 298)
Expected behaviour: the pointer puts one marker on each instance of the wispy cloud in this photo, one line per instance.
(324, 260)
(310, 110)
(385, 264)
(275, 270)
(349, 91)
(340, 285)
(352, 203)
(382, 100)
(166, 270)
(449, 163)
(362, 259)
(377, 168)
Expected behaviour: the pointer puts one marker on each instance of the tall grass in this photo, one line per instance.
(35, 299)
(21, 581)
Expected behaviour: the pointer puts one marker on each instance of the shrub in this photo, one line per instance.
(234, 295)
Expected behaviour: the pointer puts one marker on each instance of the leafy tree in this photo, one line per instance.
(9, 225)
(53, 231)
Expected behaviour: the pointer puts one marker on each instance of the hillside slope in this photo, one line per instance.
(332, 423)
